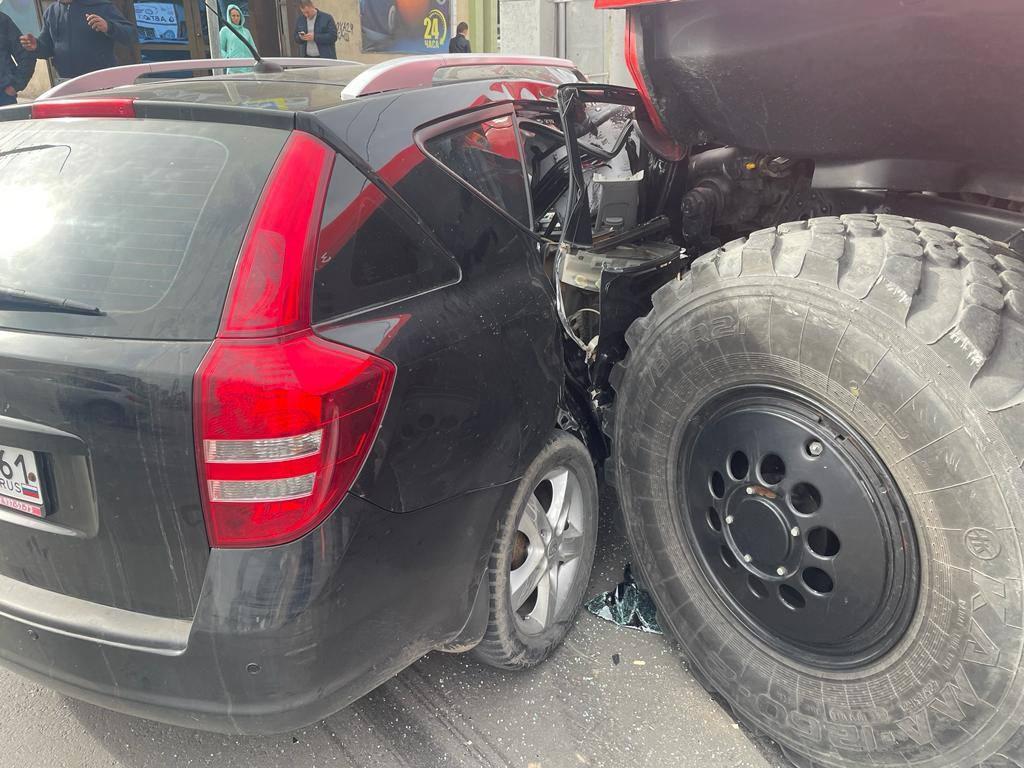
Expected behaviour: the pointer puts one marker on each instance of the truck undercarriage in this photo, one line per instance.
(636, 208)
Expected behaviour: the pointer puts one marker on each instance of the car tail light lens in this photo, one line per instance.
(284, 420)
(284, 426)
(272, 285)
(83, 108)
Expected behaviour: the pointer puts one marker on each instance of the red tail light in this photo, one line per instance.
(284, 419)
(83, 108)
(272, 286)
(285, 425)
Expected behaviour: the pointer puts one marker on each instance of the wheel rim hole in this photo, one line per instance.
(818, 581)
(544, 493)
(739, 465)
(714, 520)
(520, 550)
(791, 597)
(757, 587)
(729, 558)
(823, 542)
(717, 485)
(805, 498)
(527, 608)
(772, 469)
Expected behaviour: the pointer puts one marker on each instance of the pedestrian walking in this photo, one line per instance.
(16, 64)
(460, 43)
(79, 36)
(316, 32)
(231, 46)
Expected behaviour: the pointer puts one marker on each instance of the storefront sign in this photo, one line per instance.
(405, 26)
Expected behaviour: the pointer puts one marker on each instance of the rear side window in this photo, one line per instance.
(544, 152)
(370, 252)
(487, 157)
(141, 219)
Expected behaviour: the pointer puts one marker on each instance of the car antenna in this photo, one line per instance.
(263, 67)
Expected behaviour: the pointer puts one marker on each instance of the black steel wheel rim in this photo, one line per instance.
(799, 527)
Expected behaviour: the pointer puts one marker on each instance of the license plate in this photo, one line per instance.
(21, 488)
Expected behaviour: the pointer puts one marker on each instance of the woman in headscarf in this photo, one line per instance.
(231, 47)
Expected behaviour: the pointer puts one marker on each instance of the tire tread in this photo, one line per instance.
(953, 289)
(984, 304)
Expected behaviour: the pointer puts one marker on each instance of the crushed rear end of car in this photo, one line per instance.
(181, 542)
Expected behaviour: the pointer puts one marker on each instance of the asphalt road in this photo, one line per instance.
(580, 708)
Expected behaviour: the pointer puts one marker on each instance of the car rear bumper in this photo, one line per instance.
(287, 635)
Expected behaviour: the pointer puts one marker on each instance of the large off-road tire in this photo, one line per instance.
(818, 441)
(542, 557)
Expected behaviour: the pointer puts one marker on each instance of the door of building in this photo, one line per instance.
(178, 29)
(173, 30)
(288, 12)
(261, 17)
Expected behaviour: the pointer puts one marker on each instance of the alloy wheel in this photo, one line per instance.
(547, 548)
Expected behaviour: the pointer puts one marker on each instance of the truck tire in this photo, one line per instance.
(817, 444)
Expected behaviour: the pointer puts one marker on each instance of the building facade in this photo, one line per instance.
(572, 29)
(368, 30)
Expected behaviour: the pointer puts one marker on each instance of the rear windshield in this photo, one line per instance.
(143, 219)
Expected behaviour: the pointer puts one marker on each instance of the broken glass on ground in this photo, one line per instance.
(627, 605)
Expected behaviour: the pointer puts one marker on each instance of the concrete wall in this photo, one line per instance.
(350, 35)
(482, 17)
(594, 38)
(528, 27)
(615, 46)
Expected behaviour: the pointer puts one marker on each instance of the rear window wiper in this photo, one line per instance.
(15, 298)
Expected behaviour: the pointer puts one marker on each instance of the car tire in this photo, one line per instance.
(858, 597)
(547, 537)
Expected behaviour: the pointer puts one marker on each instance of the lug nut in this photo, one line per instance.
(815, 448)
(750, 491)
(794, 531)
(781, 571)
(747, 558)
(729, 519)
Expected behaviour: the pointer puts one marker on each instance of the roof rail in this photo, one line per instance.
(421, 71)
(115, 77)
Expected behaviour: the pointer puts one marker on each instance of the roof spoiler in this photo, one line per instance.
(115, 77)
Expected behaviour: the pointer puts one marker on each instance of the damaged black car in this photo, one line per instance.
(352, 405)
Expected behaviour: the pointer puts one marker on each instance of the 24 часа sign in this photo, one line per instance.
(405, 26)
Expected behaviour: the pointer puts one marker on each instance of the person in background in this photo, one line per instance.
(231, 47)
(79, 36)
(460, 43)
(315, 32)
(16, 64)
